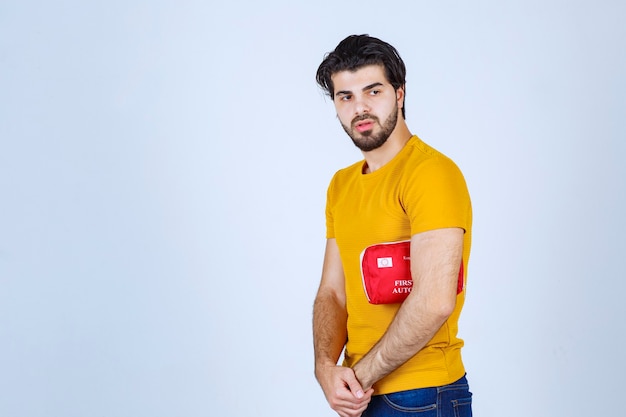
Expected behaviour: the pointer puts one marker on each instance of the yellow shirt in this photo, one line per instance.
(420, 189)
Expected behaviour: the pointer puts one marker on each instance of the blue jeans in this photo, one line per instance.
(454, 400)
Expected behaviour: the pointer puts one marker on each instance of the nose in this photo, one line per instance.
(361, 105)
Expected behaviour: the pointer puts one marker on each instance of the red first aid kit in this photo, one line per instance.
(386, 272)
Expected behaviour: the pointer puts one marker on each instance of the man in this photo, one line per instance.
(398, 242)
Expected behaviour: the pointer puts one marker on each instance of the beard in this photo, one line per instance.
(369, 140)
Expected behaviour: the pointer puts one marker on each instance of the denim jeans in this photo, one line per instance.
(454, 400)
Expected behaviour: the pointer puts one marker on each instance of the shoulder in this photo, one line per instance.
(424, 161)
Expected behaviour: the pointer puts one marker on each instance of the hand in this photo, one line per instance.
(343, 391)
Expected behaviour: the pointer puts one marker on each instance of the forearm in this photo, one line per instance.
(340, 385)
(412, 328)
(329, 329)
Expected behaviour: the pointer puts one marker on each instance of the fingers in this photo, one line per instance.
(343, 391)
(353, 385)
(350, 404)
(349, 409)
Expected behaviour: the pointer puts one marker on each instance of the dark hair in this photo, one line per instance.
(357, 51)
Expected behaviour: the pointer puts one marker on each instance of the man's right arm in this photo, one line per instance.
(341, 388)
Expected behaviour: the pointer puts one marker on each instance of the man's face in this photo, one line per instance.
(367, 105)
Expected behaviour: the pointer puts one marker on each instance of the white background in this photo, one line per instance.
(163, 169)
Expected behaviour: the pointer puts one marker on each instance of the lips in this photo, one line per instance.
(364, 125)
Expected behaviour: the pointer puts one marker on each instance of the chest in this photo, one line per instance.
(371, 212)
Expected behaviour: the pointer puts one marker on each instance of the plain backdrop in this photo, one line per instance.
(163, 170)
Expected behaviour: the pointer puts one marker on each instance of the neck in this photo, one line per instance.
(378, 157)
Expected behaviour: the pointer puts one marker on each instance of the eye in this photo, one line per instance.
(374, 92)
(345, 97)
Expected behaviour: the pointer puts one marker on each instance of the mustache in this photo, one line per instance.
(364, 117)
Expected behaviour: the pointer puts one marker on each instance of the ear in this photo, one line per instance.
(400, 97)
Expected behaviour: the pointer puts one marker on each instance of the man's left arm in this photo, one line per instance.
(435, 260)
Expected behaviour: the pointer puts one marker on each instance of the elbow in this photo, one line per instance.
(443, 309)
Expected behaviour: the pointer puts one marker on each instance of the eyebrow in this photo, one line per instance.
(367, 87)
